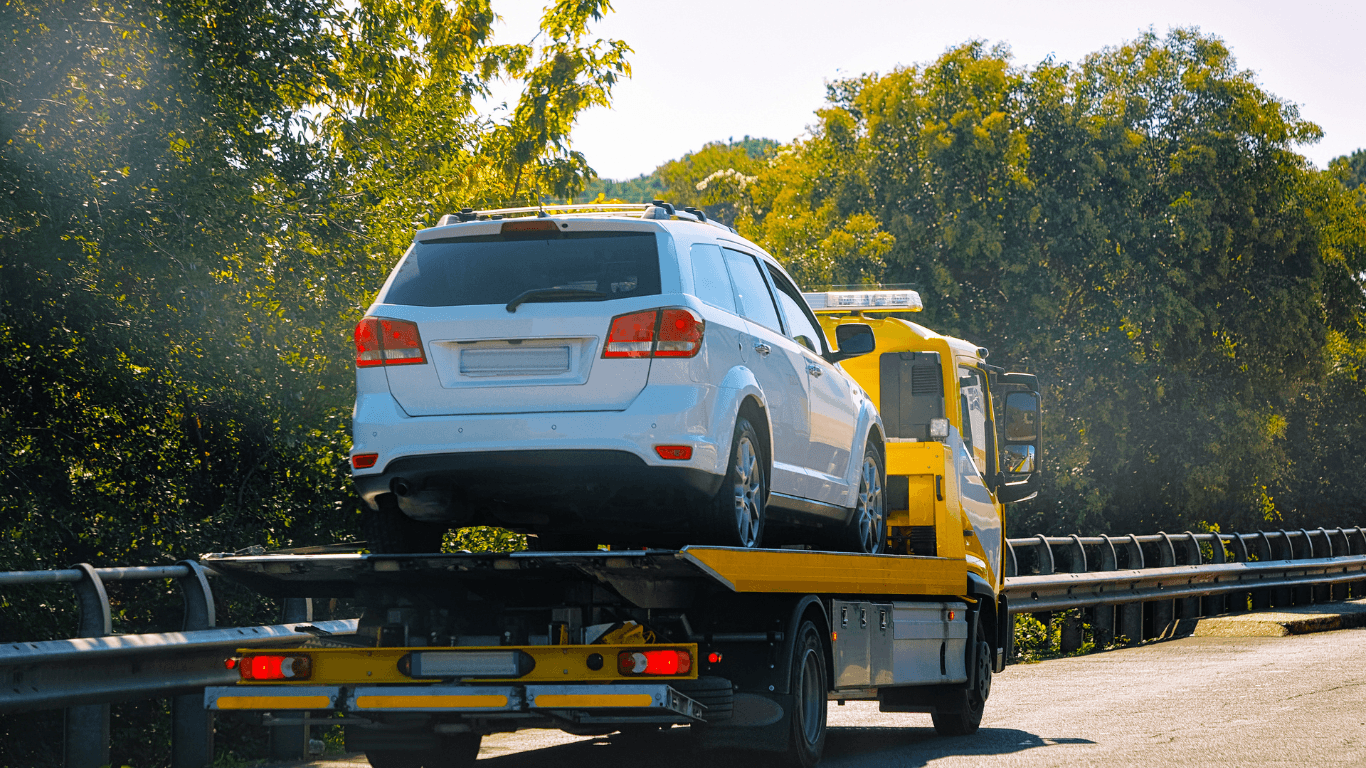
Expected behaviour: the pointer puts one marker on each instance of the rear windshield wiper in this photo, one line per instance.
(555, 294)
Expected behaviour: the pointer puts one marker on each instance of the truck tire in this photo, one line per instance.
(866, 532)
(388, 531)
(962, 713)
(458, 751)
(806, 741)
(715, 693)
(735, 516)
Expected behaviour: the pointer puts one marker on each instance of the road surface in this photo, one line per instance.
(1198, 701)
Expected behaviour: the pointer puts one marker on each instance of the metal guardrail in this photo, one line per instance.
(85, 674)
(1193, 575)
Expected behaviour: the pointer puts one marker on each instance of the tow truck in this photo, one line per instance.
(745, 647)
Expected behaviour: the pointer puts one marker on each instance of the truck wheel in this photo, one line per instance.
(806, 741)
(457, 751)
(388, 531)
(968, 703)
(735, 516)
(867, 531)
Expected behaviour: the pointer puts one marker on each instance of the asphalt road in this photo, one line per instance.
(1199, 701)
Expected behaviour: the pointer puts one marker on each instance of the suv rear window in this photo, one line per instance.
(495, 269)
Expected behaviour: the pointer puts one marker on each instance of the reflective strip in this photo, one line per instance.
(274, 702)
(562, 701)
(431, 702)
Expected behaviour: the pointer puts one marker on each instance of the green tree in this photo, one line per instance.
(1138, 229)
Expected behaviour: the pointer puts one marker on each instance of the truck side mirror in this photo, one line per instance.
(1021, 448)
(854, 339)
(1022, 417)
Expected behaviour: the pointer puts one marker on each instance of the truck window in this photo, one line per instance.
(972, 394)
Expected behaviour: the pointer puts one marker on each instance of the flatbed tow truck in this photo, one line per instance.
(744, 646)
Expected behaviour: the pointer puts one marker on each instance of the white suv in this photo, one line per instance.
(628, 375)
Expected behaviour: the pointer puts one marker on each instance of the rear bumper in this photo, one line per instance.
(545, 489)
(601, 702)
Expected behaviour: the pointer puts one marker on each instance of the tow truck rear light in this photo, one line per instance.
(654, 662)
(269, 666)
(381, 341)
(672, 332)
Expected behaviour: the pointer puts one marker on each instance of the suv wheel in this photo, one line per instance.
(735, 516)
(867, 531)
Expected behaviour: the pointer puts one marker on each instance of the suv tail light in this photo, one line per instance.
(380, 341)
(673, 332)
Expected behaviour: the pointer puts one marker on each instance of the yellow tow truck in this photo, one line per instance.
(745, 647)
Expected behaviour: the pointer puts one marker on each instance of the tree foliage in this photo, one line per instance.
(197, 200)
(1137, 229)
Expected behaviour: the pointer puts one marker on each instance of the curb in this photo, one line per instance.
(1300, 620)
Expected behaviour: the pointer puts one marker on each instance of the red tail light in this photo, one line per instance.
(269, 666)
(674, 332)
(631, 335)
(364, 460)
(674, 452)
(654, 662)
(380, 341)
(680, 333)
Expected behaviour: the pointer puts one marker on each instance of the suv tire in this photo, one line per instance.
(735, 516)
(866, 532)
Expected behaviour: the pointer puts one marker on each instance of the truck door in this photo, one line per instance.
(973, 463)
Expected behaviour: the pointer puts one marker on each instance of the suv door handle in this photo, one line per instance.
(762, 348)
(814, 370)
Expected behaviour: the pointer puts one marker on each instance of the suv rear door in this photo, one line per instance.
(771, 356)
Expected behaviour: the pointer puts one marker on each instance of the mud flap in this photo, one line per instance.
(760, 722)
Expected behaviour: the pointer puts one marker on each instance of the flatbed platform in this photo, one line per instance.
(627, 571)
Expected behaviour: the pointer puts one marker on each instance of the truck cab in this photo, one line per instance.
(962, 436)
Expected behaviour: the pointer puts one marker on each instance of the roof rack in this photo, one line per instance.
(657, 209)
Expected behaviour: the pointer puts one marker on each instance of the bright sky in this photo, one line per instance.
(707, 70)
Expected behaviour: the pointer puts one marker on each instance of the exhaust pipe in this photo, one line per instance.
(401, 488)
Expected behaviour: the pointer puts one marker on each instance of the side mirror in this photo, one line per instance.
(853, 339)
(1021, 448)
(1018, 459)
(1022, 417)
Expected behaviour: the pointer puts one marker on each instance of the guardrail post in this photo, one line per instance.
(1357, 546)
(1070, 636)
(290, 742)
(1103, 616)
(1044, 557)
(1130, 615)
(1238, 601)
(1215, 604)
(1305, 595)
(1325, 592)
(1164, 611)
(1189, 608)
(1261, 545)
(191, 723)
(86, 737)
